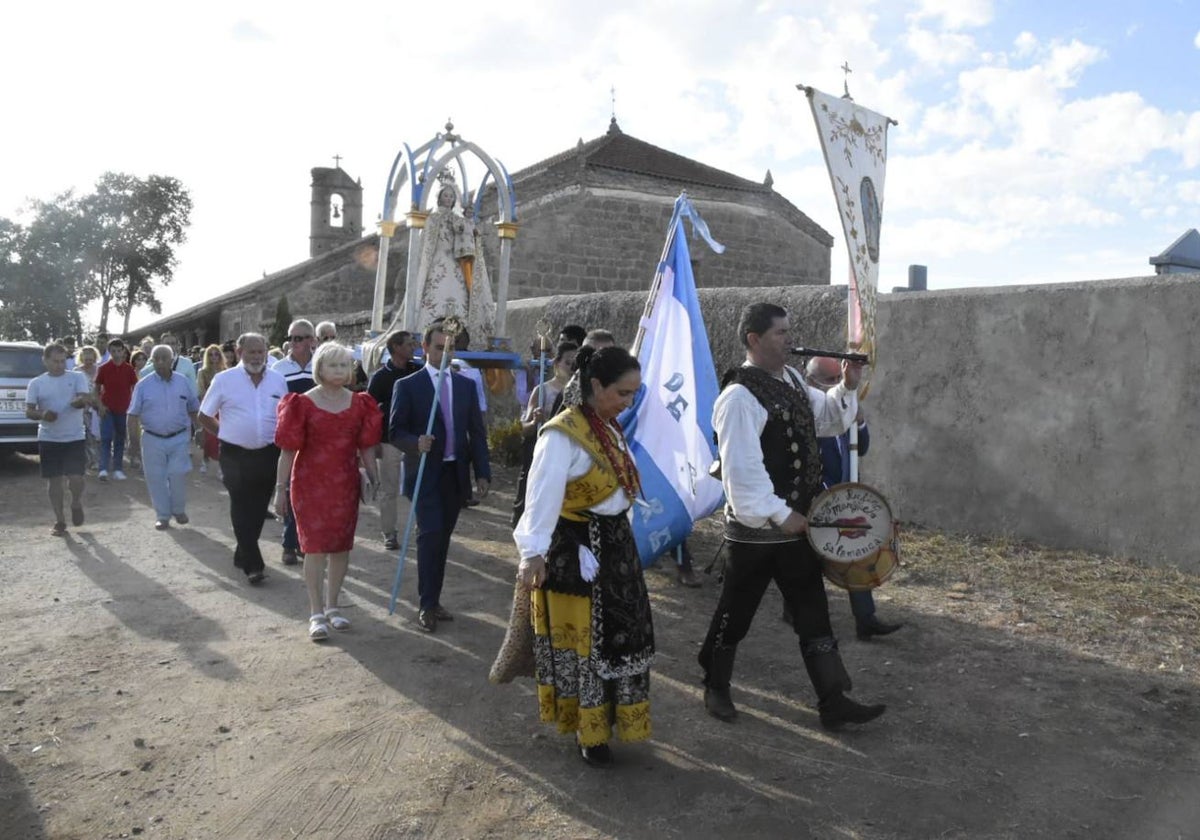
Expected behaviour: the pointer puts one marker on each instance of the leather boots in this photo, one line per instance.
(719, 672)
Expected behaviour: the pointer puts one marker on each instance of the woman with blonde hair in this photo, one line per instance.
(88, 363)
(213, 362)
(325, 436)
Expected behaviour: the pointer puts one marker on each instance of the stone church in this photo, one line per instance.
(592, 218)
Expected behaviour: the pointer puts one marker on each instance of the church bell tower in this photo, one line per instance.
(336, 209)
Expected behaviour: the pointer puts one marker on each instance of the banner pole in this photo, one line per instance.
(656, 285)
(853, 436)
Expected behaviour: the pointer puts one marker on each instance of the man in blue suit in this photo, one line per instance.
(454, 448)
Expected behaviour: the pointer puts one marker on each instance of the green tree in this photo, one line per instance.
(115, 245)
(40, 266)
(131, 229)
(283, 320)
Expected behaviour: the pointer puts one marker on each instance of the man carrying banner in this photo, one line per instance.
(766, 422)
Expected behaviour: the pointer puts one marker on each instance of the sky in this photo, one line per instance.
(1036, 141)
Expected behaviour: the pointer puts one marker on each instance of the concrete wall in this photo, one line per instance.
(1062, 414)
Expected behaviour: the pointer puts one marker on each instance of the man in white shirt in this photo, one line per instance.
(239, 408)
(767, 421)
(56, 400)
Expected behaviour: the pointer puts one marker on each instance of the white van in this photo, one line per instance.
(20, 361)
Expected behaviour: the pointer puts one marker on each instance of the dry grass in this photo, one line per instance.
(1114, 609)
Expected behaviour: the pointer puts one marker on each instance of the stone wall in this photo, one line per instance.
(1063, 414)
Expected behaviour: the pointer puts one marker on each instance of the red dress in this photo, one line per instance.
(325, 482)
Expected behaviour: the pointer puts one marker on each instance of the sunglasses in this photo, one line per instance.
(299, 337)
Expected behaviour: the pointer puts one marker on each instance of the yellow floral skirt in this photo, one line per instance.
(571, 694)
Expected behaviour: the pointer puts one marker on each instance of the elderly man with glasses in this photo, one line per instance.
(296, 369)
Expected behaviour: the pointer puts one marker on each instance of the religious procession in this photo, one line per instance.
(328, 442)
(310, 434)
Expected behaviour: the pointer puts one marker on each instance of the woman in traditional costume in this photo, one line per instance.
(593, 634)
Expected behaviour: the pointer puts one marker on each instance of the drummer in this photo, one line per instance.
(823, 374)
(767, 422)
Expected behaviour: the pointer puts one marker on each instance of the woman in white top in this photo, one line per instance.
(593, 634)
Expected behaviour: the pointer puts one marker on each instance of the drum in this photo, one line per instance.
(850, 526)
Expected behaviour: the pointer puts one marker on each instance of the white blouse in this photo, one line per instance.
(557, 459)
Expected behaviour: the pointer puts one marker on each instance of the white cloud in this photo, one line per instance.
(939, 49)
(1188, 191)
(1025, 44)
(955, 14)
(245, 30)
(1196, 40)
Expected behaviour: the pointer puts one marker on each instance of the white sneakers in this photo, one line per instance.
(203, 467)
(118, 475)
(102, 475)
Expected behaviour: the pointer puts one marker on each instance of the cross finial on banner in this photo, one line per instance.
(846, 82)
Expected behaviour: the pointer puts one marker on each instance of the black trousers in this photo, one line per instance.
(750, 568)
(249, 476)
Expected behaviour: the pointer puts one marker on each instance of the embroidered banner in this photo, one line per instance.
(854, 141)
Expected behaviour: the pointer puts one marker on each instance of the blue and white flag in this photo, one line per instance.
(669, 426)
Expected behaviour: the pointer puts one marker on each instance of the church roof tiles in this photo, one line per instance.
(620, 151)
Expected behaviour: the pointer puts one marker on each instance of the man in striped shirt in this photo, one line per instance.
(296, 369)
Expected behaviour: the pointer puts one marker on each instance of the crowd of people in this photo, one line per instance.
(310, 434)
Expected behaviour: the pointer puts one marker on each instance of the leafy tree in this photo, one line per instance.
(283, 320)
(132, 226)
(115, 245)
(39, 273)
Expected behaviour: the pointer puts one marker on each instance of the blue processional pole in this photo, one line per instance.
(412, 510)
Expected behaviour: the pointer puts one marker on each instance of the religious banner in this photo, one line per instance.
(854, 141)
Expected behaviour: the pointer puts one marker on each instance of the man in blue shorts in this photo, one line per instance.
(56, 400)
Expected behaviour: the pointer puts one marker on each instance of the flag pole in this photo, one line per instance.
(656, 285)
(452, 328)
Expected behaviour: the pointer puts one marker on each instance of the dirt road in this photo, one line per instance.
(147, 690)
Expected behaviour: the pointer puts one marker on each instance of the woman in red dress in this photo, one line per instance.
(323, 436)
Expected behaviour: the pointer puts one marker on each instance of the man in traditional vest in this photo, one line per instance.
(767, 422)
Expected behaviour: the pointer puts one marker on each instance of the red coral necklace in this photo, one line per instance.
(612, 444)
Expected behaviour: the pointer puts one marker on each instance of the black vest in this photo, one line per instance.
(789, 447)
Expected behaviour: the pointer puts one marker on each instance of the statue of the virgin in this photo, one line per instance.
(452, 275)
